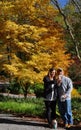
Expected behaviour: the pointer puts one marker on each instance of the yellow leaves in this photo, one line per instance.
(10, 29)
(41, 30)
(40, 62)
(11, 25)
(40, 65)
(33, 41)
(1, 56)
(10, 69)
(24, 8)
(52, 10)
(75, 93)
(61, 59)
(27, 75)
(38, 32)
(6, 10)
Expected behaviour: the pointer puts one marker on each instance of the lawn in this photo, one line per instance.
(34, 107)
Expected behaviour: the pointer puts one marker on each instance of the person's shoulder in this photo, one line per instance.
(67, 78)
(45, 77)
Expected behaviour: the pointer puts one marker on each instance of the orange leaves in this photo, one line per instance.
(34, 41)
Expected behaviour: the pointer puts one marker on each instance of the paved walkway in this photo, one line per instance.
(9, 122)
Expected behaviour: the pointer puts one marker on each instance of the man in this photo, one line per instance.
(64, 89)
(50, 94)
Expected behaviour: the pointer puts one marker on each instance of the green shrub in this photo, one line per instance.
(15, 87)
(79, 89)
(76, 108)
(31, 89)
(38, 90)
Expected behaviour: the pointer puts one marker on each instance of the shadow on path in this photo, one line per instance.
(32, 123)
(19, 122)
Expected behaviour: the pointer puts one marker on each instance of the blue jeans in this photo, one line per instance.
(65, 111)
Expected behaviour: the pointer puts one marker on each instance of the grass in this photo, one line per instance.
(23, 108)
(34, 107)
(29, 107)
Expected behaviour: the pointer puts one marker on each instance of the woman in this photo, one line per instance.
(50, 96)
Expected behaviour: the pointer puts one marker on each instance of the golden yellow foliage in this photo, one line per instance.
(33, 42)
(75, 93)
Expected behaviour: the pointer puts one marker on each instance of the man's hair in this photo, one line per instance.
(59, 70)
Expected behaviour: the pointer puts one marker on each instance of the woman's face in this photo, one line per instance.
(52, 73)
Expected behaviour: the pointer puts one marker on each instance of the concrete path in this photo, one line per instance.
(9, 122)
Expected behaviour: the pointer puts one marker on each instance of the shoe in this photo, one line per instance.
(70, 125)
(50, 126)
(66, 126)
(54, 124)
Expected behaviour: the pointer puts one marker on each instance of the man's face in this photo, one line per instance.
(60, 72)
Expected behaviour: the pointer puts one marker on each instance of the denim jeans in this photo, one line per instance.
(65, 111)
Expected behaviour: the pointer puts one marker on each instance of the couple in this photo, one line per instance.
(58, 88)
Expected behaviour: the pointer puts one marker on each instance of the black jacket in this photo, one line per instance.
(50, 89)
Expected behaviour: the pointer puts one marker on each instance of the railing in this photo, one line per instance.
(4, 85)
(77, 84)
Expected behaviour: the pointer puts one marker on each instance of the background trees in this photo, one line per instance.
(31, 41)
(70, 21)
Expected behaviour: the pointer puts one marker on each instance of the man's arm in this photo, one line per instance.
(69, 86)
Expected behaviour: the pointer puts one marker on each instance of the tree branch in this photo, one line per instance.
(77, 5)
(69, 28)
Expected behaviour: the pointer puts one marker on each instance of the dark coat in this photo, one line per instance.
(50, 89)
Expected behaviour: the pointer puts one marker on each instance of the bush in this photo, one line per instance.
(76, 108)
(38, 89)
(79, 89)
(15, 87)
(31, 89)
(75, 93)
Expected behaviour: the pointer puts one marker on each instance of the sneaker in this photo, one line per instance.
(54, 123)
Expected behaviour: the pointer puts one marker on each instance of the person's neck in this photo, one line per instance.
(51, 77)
